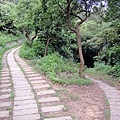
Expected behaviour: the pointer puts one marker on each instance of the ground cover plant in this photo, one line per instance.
(6, 39)
(59, 70)
(103, 72)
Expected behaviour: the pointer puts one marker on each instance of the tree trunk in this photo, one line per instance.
(46, 48)
(26, 35)
(80, 53)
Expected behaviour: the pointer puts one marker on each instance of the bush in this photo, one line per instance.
(60, 70)
(27, 51)
(102, 67)
(115, 71)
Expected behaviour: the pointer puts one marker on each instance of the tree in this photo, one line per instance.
(27, 17)
(7, 18)
(77, 11)
(113, 11)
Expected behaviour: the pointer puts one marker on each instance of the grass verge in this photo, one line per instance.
(102, 75)
(59, 70)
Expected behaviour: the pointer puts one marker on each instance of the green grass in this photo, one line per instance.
(7, 38)
(4, 39)
(59, 70)
(100, 72)
(12, 96)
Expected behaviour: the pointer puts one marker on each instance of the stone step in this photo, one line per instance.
(46, 92)
(5, 78)
(52, 108)
(38, 82)
(41, 86)
(22, 86)
(5, 85)
(5, 81)
(4, 114)
(5, 75)
(27, 117)
(5, 90)
(23, 102)
(49, 99)
(33, 75)
(5, 104)
(25, 98)
(25, 112)
(4, 96)
(60, 118)
(36, 78)
(22, 94)
(26, 106)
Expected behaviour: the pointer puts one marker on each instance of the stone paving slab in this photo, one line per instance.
(52, 108)
(26, 112)
(5, 78)
(22, 94)
(4, 96)
(27, 117)
(5, 85)
(25, 106)
(49, 99)
(27, 73)
(5, 90)
(46, 92)
(38, 82)
(23, 91)
(5, 75)
(20, 82)
(5, 104)
(41, 86)
(36, 78)
(60, 118)
(21, 86)
(24, 98)
(7, 72)
(24, 102)
(5, 81)
(34, 75)
(4, 114)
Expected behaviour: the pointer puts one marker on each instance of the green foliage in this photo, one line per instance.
(110, 70)
(1, 54)
(7, 14)
(113, 12)
(60, 70)
(115, 70)
(27, 14)
(7, 38)
(27, 51)
(4, 40)
(102, 67)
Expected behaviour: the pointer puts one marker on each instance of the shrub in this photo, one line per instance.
(60, 70)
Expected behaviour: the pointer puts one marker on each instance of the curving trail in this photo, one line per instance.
(113, 96)
(25, 94)
(25, 91)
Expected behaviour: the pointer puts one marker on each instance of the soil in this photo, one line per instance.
(83, 102)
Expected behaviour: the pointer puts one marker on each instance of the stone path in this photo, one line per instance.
(5, 91)
(25, 94)
(113, 96)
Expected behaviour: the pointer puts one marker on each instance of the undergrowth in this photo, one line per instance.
(59, 70)
(106, 73)
(5, 39)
